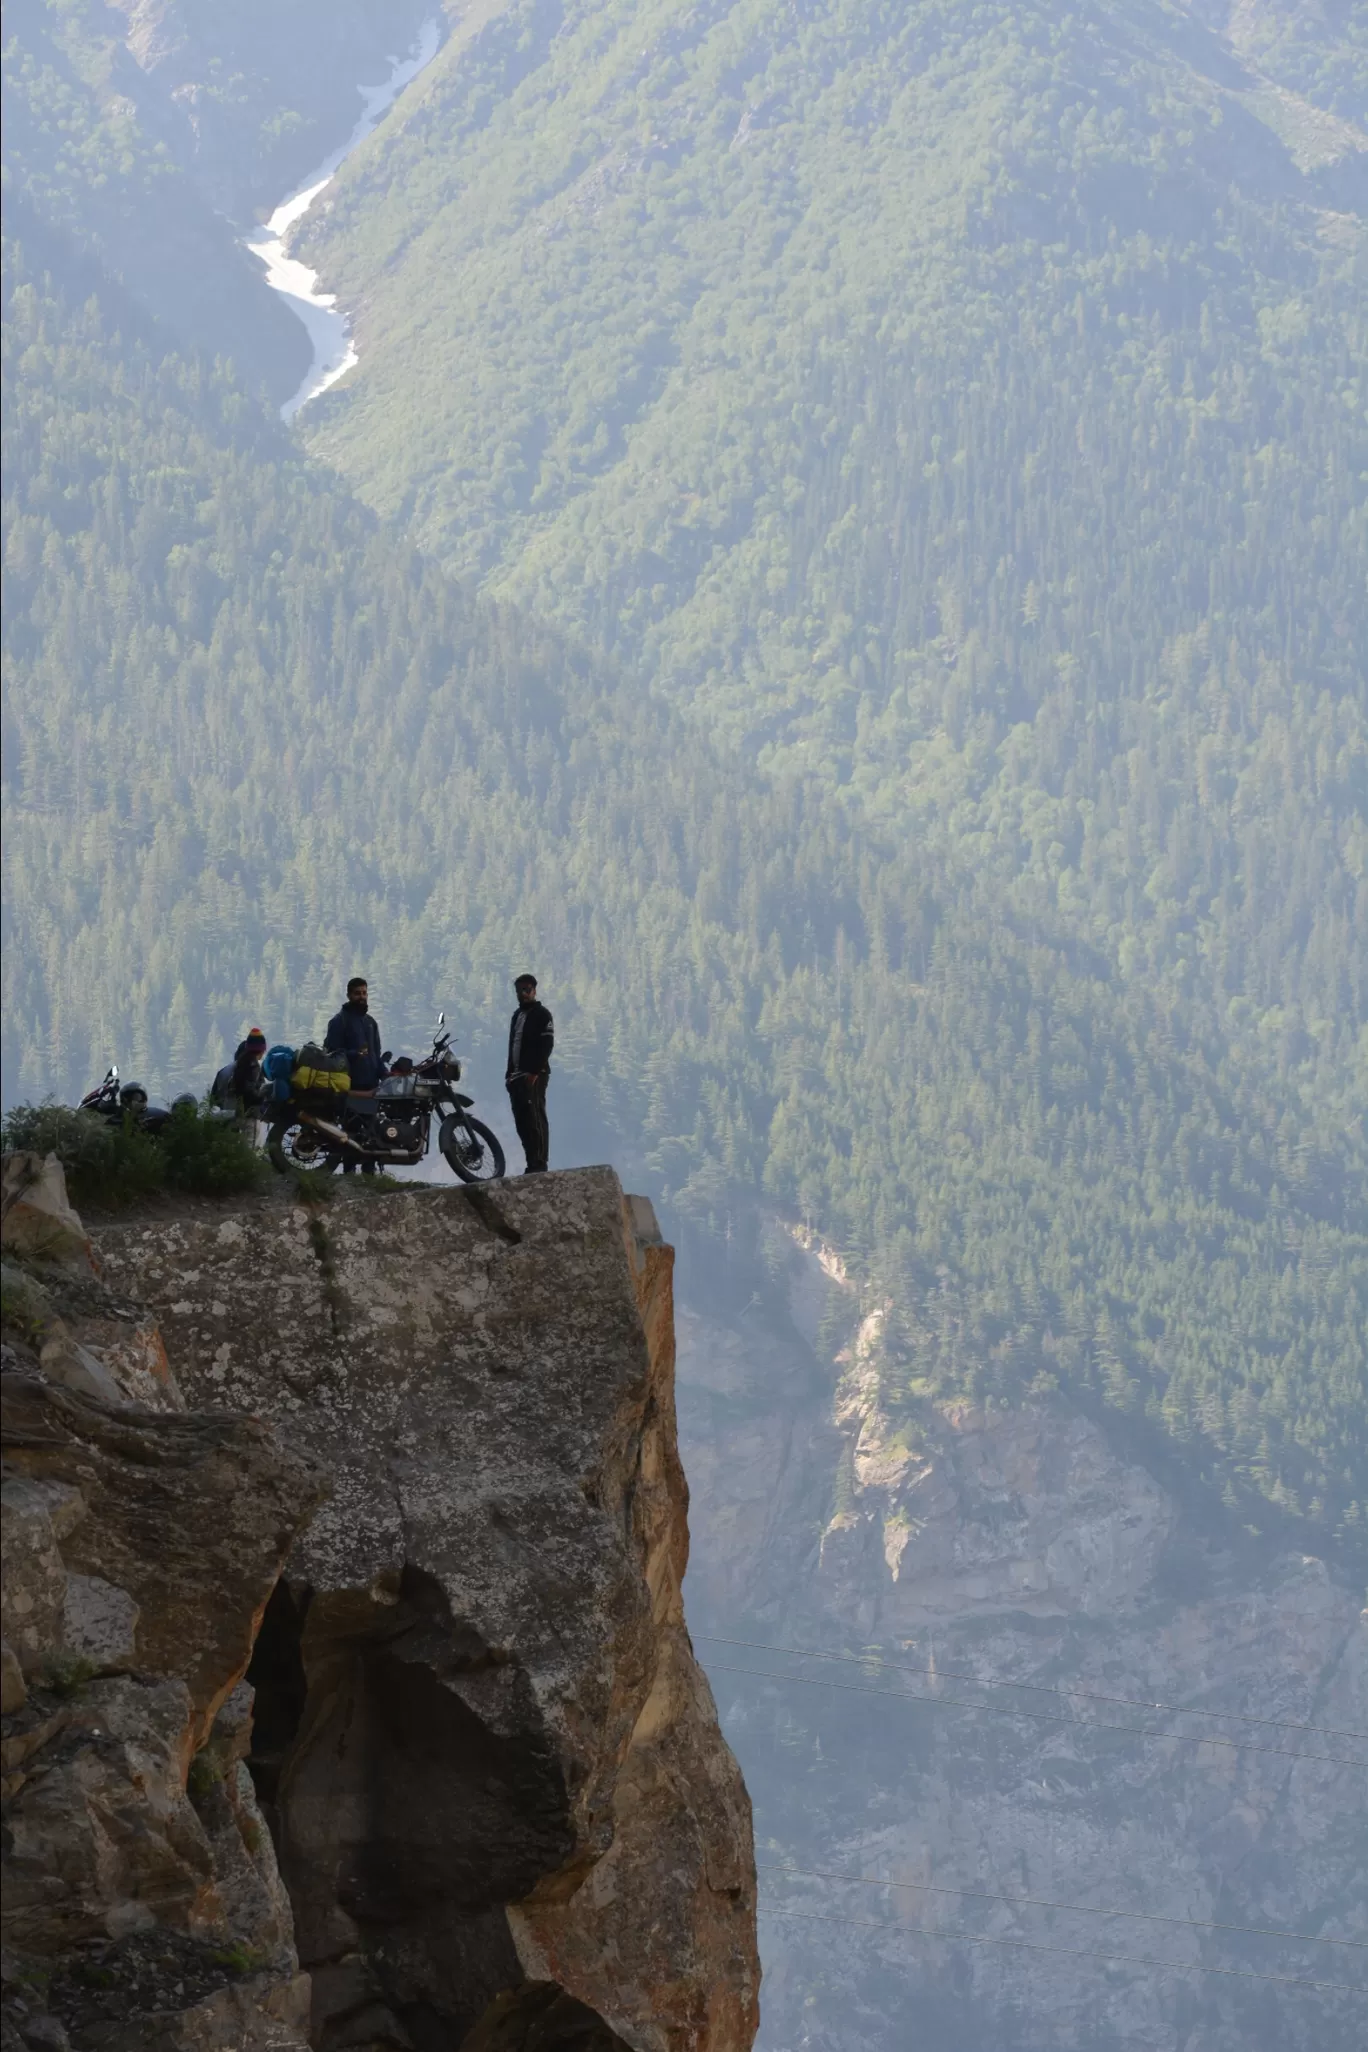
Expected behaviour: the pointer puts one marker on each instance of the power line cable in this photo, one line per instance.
(1172, 1966)
(813, 1681)
(1075, 1908)
(1041, 1688)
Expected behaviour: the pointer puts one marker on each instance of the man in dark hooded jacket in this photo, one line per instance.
(354, 1033)
(531, 1037)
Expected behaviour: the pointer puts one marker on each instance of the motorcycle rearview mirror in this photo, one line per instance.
(114, 1072)
(441, 1019)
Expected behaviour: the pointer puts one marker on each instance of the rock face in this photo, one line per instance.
(142, 1903)
(1027, 1544)
(38, 1217)
(504, 1811)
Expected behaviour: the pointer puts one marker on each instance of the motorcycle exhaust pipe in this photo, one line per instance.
(333, 1132)
(347, 1140)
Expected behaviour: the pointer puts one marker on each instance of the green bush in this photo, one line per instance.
(208, 1156)
(106, 1165)
(113, 1166)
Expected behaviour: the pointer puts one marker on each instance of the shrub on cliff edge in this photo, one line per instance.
(114, 1166)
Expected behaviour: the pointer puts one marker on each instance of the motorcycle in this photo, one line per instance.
(120, 1102)
(394, 1127)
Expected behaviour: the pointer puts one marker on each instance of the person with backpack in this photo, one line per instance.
(531, 1037)
(354, 1033)
(240, 1085)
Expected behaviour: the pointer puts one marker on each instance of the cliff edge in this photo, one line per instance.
(503, 1813)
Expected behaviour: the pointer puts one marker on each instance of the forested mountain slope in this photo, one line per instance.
(646, 285)
(152, 130)
(1319, 50)
(965, 404)
(979, 876)
(96, 151)
(964, 407)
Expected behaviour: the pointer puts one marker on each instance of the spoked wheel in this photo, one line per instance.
(470, 1148)
(292, 1144)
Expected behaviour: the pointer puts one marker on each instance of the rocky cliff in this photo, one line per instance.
(500, 1811)
(1044, 1546)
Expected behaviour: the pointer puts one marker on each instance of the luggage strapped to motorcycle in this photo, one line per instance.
(277, 1068)
(320, 1073)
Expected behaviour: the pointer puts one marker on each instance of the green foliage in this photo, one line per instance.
(106, 1165)
(1320, 51)
(241, 1958)
(113, 1166)
(205, 1775)
(66, 1674)
(208, 1156)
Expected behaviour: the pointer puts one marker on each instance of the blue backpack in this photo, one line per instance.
(278, 1068)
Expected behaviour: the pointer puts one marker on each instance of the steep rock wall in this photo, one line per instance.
(501, 1800)
(1034, 1544)
(142, 1905)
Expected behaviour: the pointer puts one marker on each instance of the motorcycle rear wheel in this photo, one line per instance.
(470, 1149)
(293, 1145)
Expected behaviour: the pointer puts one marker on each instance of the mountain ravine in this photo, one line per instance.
(1028, 1545)
(349, 1698)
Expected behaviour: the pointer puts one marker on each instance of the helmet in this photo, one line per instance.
(186, 1097)
(133, 1097)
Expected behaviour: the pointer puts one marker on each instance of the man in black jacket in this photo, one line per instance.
(531, 1037)
(354, 1033)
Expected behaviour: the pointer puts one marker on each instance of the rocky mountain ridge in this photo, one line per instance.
(500, 1811)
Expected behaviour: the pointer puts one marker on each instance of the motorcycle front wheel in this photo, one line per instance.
(292, 1144)
(470, 1149)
